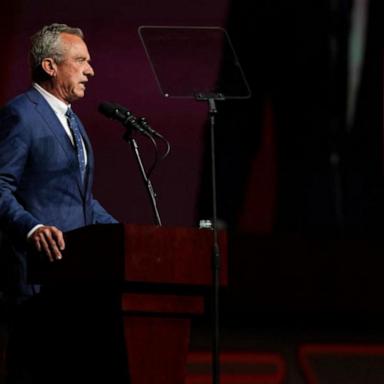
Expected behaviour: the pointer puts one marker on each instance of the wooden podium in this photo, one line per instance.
(162, 273)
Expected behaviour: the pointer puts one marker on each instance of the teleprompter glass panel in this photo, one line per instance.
(192, 61)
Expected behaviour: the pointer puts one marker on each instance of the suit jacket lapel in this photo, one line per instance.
(53, 123)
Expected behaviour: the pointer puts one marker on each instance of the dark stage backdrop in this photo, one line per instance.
(294, 184)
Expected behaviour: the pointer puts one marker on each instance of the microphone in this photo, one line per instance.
(121, 114)
(145, 125)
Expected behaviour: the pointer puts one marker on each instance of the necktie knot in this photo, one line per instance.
(69, 113)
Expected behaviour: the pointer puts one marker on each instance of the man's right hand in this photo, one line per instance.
(50, 240)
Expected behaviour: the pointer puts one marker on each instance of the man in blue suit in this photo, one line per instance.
(42, 191)
(46, 175)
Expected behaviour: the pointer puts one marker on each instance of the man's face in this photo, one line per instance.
(71, 74)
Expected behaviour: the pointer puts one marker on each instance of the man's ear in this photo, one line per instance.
(49, 66)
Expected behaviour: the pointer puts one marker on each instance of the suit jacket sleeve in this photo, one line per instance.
(14, 151)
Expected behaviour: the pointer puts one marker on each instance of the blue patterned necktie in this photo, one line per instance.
(73, 125)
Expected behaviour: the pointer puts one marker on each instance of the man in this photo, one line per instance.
(41, 189)
(46, 175)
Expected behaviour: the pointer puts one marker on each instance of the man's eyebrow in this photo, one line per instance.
(83, 58)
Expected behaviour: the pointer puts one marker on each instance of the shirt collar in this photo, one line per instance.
(56, 104)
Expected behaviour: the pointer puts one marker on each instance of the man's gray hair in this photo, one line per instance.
(46, 43)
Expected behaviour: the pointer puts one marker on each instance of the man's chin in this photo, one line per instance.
(80, 93)
(77, 95)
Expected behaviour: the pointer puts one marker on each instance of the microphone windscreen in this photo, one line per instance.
(107, 109)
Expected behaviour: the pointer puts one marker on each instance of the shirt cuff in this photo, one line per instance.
(33, 230)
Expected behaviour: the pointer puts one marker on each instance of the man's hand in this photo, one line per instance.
(49, 240)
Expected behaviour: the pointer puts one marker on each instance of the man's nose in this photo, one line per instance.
(89, 70)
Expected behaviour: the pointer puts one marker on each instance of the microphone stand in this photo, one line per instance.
(152, 195)
(211, 98)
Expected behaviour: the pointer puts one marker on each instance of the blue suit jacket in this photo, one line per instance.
(40, 180)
